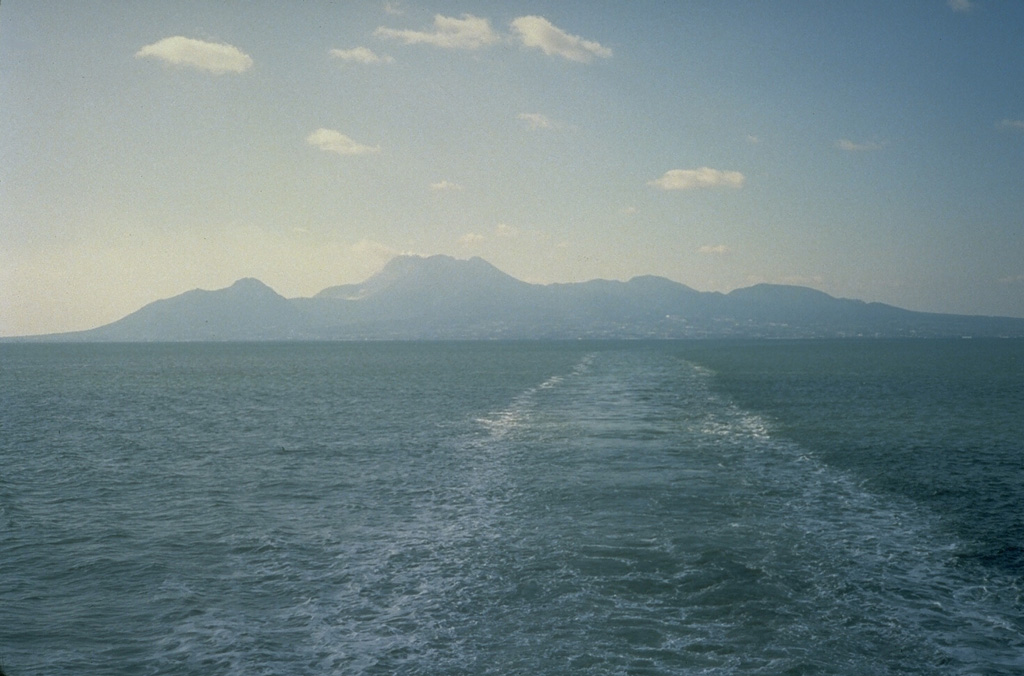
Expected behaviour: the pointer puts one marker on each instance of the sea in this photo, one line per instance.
(460, 508)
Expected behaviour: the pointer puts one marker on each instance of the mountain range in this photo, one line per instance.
(439, 297)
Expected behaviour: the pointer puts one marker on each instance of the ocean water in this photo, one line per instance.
(833, 507)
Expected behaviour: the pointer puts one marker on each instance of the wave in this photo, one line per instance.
(618, 514)
(502, 422)
(767, 557)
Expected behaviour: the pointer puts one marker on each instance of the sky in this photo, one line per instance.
(867, 148)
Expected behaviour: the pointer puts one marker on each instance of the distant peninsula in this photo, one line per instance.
(444, 298)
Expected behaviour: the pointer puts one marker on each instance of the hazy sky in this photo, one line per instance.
(870, 149)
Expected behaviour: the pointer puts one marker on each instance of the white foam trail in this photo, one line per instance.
(504, 421)
(880, 560)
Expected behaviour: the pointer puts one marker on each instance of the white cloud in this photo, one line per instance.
(368, 249)
(506, 230)
(335, 142)
(704, 177)
(445, 185)
(961, 5)
(753, 139)
(209, 56)
(469, 32)
(536, 31)
(537, 121)
(393, 9)
(501, 231)
(471, 239)
(718, 249)
(851, 146)
(360, 55)
(1013, 125)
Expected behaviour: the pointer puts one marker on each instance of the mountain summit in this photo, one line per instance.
(440, 297)
(246, 310)
(436, 277)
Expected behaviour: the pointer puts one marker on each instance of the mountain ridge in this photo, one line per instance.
(441, 297)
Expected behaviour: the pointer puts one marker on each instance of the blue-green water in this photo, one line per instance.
(513, 508)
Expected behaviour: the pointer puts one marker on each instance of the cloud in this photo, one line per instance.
(501, 231)
(1012, 280)
(335, 142)
(850, 146)
(537, 121)
(469, 32)
(393, 9)
(753, 139)
(445, 185)
(359, 55)
(1012, 125)
(536, 31)
(368, 248)
(960, 5)
(471, 239)
(705, 177)
(505, 230)
(209, 56)
(718, 249)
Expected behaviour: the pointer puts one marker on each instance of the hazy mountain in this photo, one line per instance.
(434, 278)
(248, 309)
(440, 297)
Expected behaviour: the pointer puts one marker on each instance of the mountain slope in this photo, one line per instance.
(440, 297)
(436, 276)
(246, 310)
